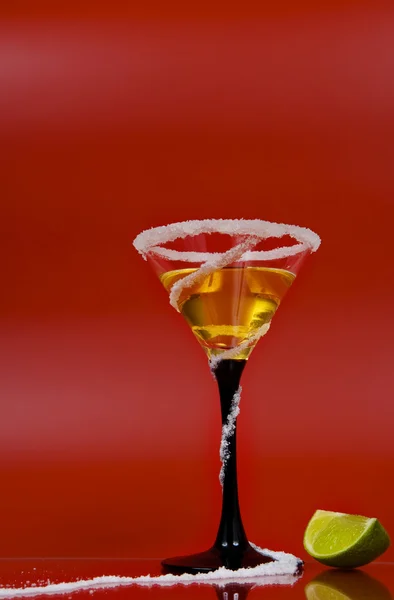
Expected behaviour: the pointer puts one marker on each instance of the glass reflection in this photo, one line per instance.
(233, 591)
(239, 591)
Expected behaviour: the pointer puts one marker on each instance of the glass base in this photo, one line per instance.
(214, 558)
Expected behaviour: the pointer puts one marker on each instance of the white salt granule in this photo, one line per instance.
(283, 570)
(228, 430)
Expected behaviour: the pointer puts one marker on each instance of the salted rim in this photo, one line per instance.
(149, 241)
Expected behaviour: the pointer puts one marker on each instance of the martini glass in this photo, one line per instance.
(227, 278)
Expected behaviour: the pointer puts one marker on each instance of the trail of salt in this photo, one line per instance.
(228, 430)
(283, 571)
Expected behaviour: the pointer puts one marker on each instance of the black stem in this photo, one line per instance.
(231, 537)
(231, 549)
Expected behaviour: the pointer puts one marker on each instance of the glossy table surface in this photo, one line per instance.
(375, 582)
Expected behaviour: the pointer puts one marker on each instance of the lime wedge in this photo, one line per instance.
(342, 585)
(344, 541)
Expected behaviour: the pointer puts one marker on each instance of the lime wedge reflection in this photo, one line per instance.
(346, 585)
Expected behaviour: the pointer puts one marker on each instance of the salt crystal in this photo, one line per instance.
(228, 430)
(282, 570)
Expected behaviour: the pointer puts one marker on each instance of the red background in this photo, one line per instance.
(115, 118)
